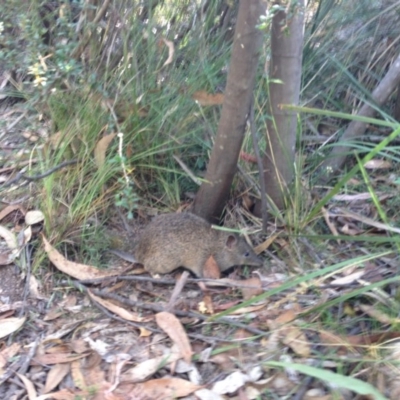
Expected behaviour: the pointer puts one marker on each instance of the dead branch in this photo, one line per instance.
(379, 96)
(166, 281)
(31, 178)
(158, 308)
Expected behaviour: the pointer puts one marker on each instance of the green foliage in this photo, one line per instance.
(120, 83)
(39, 41)
(126, 198)
(355, 385)
(92, 79)
(309, 277)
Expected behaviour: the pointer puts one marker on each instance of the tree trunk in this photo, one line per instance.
(214, 192)
(287, 35)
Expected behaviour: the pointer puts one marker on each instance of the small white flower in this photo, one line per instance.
(40, 80)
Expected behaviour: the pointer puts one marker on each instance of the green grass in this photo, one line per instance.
(105, 98)
(94, 97)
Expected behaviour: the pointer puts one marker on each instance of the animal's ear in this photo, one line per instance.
(231, 241)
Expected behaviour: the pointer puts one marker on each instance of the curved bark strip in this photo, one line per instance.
(380, 95)
(213, 194)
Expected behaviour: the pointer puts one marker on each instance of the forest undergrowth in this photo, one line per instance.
(105, 129)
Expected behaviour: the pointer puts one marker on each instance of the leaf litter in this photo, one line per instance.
(102, 348)
(146, 366)
(102, 353)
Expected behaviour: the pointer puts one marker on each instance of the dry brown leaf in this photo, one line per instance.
(179, 285)
(34, 288)
(25, 236)
(149, 367)
(10, 325)
(365, 220)
(101, 149)
(317, 394)
(271, 344)
(94, 374)
(373, 338)
(281, 384)
(211, 269)
(351, 231)
(77, 375)
(264, 245)
(237, 380)
(63, 394)
(331, 226)
(344, 346)
(174, 329)
(122, 312)
(296, 340)
(206, 306)
(241, 334)
(9, 238)
(8, 210)
(58, 348)
(79, 346)
(284, 318)
(329, 338)
(379, 315)
(3, 363)
(207, 99)
(377, 164)
(225, 306)
(171, 51)
(347, 280)
(70, 301)
(353, 197)
(224, 360)
(6, 354)
(249, 292)
(250, 309)
(53, 313)
(56, 374)
(76, 270)
(30, 388)
(247, 202)
(6, 310)
(144, 332)
(59, 358)
(163, 389)
(6, 258)
(34, 217)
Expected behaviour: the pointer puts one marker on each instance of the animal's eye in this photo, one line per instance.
(246, 254)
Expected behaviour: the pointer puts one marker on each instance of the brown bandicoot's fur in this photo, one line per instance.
(186, 240)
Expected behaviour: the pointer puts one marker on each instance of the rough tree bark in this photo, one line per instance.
(381, 93)
(213, 194)
(287, 33)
